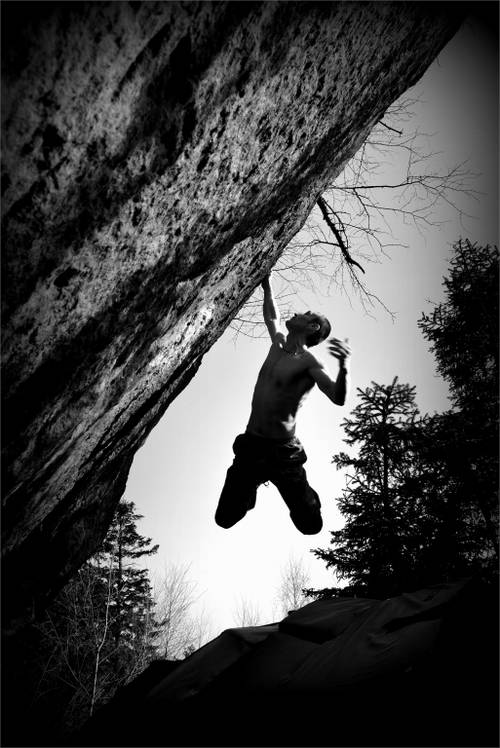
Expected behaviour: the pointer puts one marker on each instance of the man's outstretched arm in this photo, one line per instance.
(336, 390)
(270, 310)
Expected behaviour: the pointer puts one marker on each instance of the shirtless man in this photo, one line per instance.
(269, 449)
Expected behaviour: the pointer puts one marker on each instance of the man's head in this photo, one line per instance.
(315, 327)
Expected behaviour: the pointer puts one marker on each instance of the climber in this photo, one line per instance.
(269, 449)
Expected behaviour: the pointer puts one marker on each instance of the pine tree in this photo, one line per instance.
(421, 506)
(463, 332)
(132, 594)
(404, 527)
(375, 547)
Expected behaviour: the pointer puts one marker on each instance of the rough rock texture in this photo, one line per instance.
(418, 669)
(157, 158)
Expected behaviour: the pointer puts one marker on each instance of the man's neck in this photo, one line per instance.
(294, 344)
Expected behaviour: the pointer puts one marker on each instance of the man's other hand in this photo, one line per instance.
(339, 349)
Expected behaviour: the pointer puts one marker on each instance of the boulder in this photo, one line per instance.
(157, 159)
(416, 669)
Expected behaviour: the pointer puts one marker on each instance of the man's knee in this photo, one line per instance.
(237, 497)
(226, 520)
(230, 510)
(309, 523)
(302, 500)
(306, 514)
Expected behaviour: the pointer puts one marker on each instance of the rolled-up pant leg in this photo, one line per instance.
(289, 477)
(240, 488)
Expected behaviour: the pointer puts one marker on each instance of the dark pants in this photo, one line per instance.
(258, 460)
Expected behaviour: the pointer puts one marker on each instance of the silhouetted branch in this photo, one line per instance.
(394, 175)
(399, 132)
(323, 206)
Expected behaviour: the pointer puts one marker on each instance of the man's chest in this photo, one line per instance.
(285, 371)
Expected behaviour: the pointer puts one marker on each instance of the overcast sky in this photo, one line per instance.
(177, 475)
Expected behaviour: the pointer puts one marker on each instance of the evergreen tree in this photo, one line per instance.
(404, 527)
(375, 549)
(463, 332)
(421, 506)
(132, 594)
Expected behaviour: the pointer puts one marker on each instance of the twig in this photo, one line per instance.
(399, 132)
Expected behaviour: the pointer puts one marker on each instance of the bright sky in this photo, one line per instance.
(177, 475)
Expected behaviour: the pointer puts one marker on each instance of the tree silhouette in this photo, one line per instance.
(376, 547)
(100, 631)
(463, 332)
(123, 545)
(355, 220)
(421, 503)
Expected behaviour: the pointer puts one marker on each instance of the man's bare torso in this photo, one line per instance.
(281, 388)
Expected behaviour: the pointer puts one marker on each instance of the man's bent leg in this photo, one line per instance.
(289, 477)
(302, 501)
(237, 498)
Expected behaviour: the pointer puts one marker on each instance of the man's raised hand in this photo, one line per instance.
(266, 281)
(339, 349)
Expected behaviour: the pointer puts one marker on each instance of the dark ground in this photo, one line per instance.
(449, 699)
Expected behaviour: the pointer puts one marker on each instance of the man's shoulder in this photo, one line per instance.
(313, 361)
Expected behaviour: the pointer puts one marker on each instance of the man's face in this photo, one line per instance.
(305, 322)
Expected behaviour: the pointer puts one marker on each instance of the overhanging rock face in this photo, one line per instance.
(158, 157)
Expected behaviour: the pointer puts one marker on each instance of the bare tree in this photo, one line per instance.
(102, 635)
(78, 643)
(99, 631)
(200, 631)
(355, 221)
(247, 613)
(181, 631)
(290, 593)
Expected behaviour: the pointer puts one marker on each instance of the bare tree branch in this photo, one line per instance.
(175, 595)
(324, 208)
(294, 579)
(369, 208)
(399, 132)
(247, 613)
